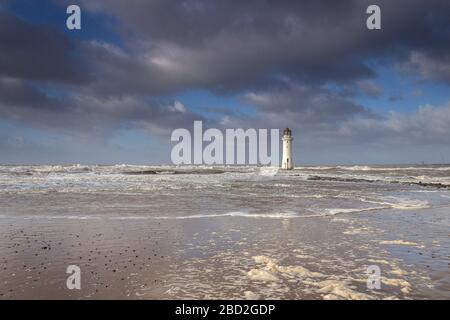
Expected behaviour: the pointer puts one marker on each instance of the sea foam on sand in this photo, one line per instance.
(337, 290)
(272, 266)
(401, 243)
(329, 289)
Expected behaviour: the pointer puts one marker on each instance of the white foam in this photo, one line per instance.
(413, 204)
(406, 286)
(276, 215)
(371, 168)
(356, 168)
(249, 295)
(272, 272)
(268, 171)
(315, 168)
(338, 290)
(335, 211)
(195, 216)
(271, 265)
(401, 243)
(399, 203)
(382, 261)
(398, 272)
(406, 203)
(261, 275)
(353, 231)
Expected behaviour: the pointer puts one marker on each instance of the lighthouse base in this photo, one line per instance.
(286, 164)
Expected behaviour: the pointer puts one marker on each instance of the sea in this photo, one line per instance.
(225, 232)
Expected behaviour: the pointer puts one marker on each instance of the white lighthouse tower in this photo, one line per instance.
(287, 150)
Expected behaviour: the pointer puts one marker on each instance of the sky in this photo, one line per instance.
(114, 91)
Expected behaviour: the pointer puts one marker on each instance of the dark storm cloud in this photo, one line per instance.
(326, 119)
(226, 45)
(235, 45)
(310, 103)
(37, 62)
(37, 53)
(223, 45)
(15, 93)
(305, 108)
(88, 115)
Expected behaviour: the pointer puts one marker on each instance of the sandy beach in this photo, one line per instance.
(234, 233)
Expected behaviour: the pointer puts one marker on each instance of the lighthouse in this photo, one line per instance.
(287, 150)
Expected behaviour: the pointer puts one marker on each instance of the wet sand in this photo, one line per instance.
(223, 257)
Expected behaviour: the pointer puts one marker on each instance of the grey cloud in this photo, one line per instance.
(305, 106)
(435, 68)
(322, 118)
(14, 92)
(235, 45)
(38, 53)
(224, 45)
(88, 115)
(427, 126)
(370, 88)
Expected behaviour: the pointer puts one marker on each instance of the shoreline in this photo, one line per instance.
(153, 261)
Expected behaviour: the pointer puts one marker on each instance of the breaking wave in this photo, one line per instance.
(194, 216)
(377, 168)
(425, 182)
(396, 203)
